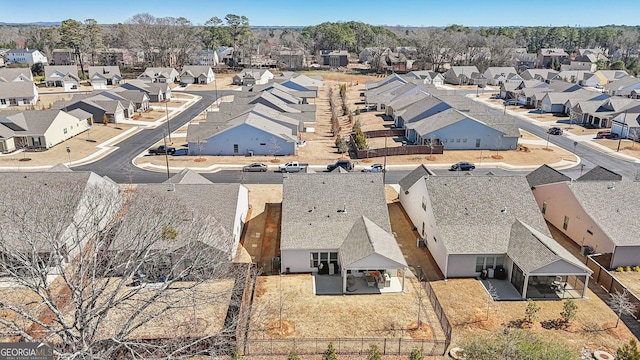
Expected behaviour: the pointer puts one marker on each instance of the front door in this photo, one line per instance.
(517, 278)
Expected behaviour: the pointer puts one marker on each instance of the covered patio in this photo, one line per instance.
(371, 259)
(332, 285)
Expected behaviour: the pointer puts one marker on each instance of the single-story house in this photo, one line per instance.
(627, 125)
(38, 129)
(248, 77)
(140, 99)
(197, 74)
(459, 75)
(426, 77)
(246, 134)
(490, 226)
(19, 93)
(338, 224)
(623, 86)
(157, 92)
(62, 196)
(102, 76)
(15, 75)
(159, 75)
(577, 209)
(497, 75)
(65, 76)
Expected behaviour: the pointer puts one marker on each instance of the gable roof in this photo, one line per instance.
(187, 176)
(11, 74)
(313, 205)
(61, 72)
(545, 174)
(366, 239)
(107, 72)
(614, 214)
(196, 70)
(411, 178)
(20, 89)
(487, 206)
(29, 122)
(532, 250)
(600, 173)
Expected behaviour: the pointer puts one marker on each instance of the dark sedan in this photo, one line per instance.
(462, 166)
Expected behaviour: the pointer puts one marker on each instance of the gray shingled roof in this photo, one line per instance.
(10, 74)
(107, 72)
(9, 90)
(62, 190)
(187, 176)
(213, 204)
(532, 250)
(614, 209)
(600, 173)
(65, 70)
(545, 174)
(412, 177)
(474, 213)
(31, 122)
(313, 204)
(79, 114)
(366, 239)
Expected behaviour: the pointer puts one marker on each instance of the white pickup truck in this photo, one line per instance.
(292, 166)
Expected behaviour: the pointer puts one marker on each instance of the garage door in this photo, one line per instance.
(119, 116)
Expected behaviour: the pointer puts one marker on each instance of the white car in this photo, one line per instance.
(375, 168)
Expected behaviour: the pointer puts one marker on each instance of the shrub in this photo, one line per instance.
(292, 356)
(416, 354)
(628, 268)
(636, 268)
(357, 111)
(374, 353)
(531, 311)
(361, 140)
(619, 269)
(628, 351)
(569, 311)
(330, 353)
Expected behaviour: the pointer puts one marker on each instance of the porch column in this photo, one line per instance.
(586, 286)
(524, 286)
(343, 272)
(404, 272)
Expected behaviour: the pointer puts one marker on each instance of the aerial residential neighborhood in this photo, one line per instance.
(225, 190)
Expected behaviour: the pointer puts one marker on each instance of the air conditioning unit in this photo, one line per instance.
(586, 250)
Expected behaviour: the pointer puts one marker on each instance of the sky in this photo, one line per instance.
(472, 13)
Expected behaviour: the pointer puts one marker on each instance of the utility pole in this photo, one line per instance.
(166, 156)
(624, 123)
(384, 166)
(166, 107)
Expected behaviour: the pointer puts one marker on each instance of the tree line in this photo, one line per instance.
(165, 37)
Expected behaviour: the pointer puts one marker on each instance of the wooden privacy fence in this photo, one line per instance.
(603, 277)
(396, 150)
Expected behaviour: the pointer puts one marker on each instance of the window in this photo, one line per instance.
(477, 143)
(451, 140)
(479, 263)
(65, 130)
(424, 203)
(314, 260)
(544, 207)
(464, 140)
(235, 148)
(3, 101)
(489, 262)
(333, 257)
(565, 225)
(422, 229)
(500, 261)
(434, 239)
(263, 144)
(589, 232)
(457, 140)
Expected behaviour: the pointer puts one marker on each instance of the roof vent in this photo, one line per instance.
(612, 186)
(504, 210)
(344, 209)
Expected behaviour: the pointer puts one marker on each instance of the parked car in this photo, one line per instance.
(606, 134)
(462, 166)
(181, 152)
(161, 150)
(255, 167)
(510, 102)
(555, 131)
(375, 168)
(292, 166)
(345, 164)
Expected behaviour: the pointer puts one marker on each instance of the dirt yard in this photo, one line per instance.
(465, 303)
(630, 279)
(627, 147)
(80, 147)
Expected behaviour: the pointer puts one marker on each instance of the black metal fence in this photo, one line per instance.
(344, 346)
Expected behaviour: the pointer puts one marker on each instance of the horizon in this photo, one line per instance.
(285, 13)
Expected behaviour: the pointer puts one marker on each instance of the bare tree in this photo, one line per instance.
(621, 305)
(493, 295)
(634, 136)
(274, 146)
(100, 270)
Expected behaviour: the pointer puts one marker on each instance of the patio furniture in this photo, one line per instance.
(371, 281)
